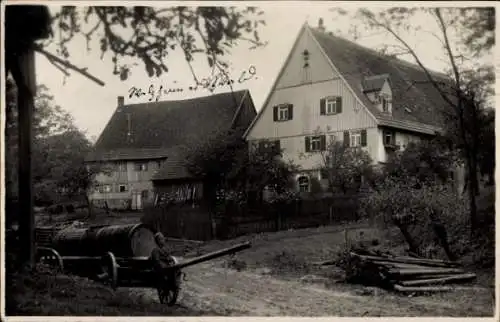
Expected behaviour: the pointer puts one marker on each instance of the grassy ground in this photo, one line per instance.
(294, 253)
(47, 293)
(285, 261)
(286, 256)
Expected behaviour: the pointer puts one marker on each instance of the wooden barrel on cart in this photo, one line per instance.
(134, 240)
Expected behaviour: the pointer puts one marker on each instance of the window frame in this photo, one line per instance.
(312, 141)
(121, 166)
(283, 108)
(357, 137)
(385, 104)
(331, 101)
(306, 184)
(140, 166)
(391, 136)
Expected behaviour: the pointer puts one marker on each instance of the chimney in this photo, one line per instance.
(121, 101)
(321, 27)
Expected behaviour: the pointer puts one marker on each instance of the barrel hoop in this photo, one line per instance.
(134, 229)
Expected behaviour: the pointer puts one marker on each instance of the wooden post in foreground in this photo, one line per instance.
(25, 102)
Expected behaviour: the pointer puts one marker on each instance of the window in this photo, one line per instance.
(272, 147)
(388, 138)
(315, 143)
(331, 105)
(385, 104)
(303, 182)
(159, 164)
(121, 166)
(283, 113)
(106, 188)
(122, 188)
(355, 139)
(141, 166)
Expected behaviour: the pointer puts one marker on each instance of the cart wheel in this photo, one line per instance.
(168, 296)
(169, 293)
(50, 256)
(109, 267)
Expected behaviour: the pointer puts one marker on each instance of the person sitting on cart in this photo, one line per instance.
(160, 256)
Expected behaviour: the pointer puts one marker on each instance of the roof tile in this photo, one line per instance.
(408, 82)
(160, 129)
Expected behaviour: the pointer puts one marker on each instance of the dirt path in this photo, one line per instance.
(228, 292)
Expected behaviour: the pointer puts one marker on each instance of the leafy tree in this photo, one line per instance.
(229, 165)
(424, 161)
(466, 89)
(151, 34)
(345, 167)
(425, 213)
(59, 150)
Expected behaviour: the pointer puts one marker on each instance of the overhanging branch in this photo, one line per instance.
(52, 58)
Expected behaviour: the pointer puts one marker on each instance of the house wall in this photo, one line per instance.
(135, 181)
(401, 138)
(304, 89)
(182, 191)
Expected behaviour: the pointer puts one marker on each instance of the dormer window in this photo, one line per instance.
(378, 90)
(385, 104)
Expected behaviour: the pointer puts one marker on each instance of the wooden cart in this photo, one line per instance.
(119, 270)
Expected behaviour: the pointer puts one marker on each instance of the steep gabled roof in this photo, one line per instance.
(410, 89)
(159, 129)
(415, 101)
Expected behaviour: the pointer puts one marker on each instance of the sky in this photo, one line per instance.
(92, 105)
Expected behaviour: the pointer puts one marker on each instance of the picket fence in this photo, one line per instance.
(231, 220)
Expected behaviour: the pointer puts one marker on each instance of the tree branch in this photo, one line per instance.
(51, 60)
(67, 64)
(414, 55)
(448, 47)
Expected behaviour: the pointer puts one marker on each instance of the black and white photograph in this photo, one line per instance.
(248, 159)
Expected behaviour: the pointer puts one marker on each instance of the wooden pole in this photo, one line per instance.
(443, 280)
(25, 101)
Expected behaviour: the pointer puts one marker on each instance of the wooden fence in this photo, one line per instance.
(234, 220)
(183, 221)
(296, 214)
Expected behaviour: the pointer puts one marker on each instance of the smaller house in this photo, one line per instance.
(143, 147)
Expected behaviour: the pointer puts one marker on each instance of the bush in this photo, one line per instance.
(422, 212)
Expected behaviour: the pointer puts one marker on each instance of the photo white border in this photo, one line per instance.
(262, 4)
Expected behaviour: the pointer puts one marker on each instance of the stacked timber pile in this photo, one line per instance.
(404, 274)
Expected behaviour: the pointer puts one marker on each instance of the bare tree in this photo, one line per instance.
(465, 92)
